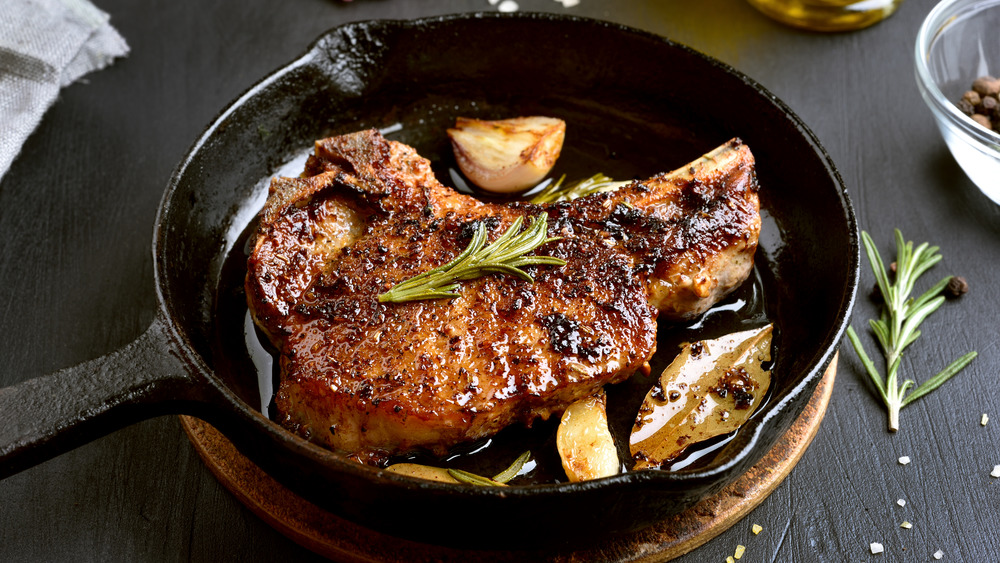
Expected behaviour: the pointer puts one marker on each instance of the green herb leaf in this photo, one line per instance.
(557, 192)
(867, 362)
(936, 381)
(514, 469)
(473, 479)
(498, 480)
(897, 326)
(506, 255)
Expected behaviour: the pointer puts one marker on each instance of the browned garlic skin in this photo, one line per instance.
(507, 155)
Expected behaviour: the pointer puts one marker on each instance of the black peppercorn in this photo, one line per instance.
(982, 120)
(972, 97)
(982, 102)
(957, 287)
(987, 106)
(986, 86)
(876, 295)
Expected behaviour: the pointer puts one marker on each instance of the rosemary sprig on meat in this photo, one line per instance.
(506, 255)
(556, 191)
(901, 316)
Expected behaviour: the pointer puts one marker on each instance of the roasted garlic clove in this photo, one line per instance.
(711, 388)
(508, 155)
(585, 444)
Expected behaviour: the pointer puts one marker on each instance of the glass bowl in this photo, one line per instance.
(957, 43)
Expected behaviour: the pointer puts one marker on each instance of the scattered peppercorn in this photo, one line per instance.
(982, 102)
(957, 287)
(876, 295)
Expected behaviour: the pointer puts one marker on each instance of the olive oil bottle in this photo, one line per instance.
(827, 15)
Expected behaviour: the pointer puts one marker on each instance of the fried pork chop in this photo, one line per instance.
(372, 379)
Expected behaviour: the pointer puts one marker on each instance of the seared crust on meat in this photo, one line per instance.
(372, 379)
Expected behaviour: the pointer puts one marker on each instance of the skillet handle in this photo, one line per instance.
(52, 414)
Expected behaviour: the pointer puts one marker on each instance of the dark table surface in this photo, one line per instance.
(77, 206)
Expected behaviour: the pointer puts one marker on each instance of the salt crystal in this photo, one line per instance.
(984, 420)
(938, 554)
(391, 129)
(507, 6)
(906, 525)
(494, 2)
(730, 559)
(756, 529)
(876, 548)
(904, 460)
(739, 551)
(996, 471)
(901, 502)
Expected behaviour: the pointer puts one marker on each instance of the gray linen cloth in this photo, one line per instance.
(45, 45)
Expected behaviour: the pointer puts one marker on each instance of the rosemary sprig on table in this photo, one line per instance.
(897, 327)
(506, 255)
(498, 480)
(557, 192)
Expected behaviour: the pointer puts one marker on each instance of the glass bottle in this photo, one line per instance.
(827, 15)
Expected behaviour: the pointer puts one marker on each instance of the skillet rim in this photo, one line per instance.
(316, 454)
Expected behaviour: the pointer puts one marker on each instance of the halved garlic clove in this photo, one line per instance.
(585, 444)
(507, 155)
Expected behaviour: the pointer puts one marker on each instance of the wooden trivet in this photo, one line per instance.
(342, 540)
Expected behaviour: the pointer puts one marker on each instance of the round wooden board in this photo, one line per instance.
(342, 540)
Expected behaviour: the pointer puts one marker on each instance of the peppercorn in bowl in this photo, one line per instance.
(958, 74)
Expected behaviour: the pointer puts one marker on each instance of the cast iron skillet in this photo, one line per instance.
(635, 103)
